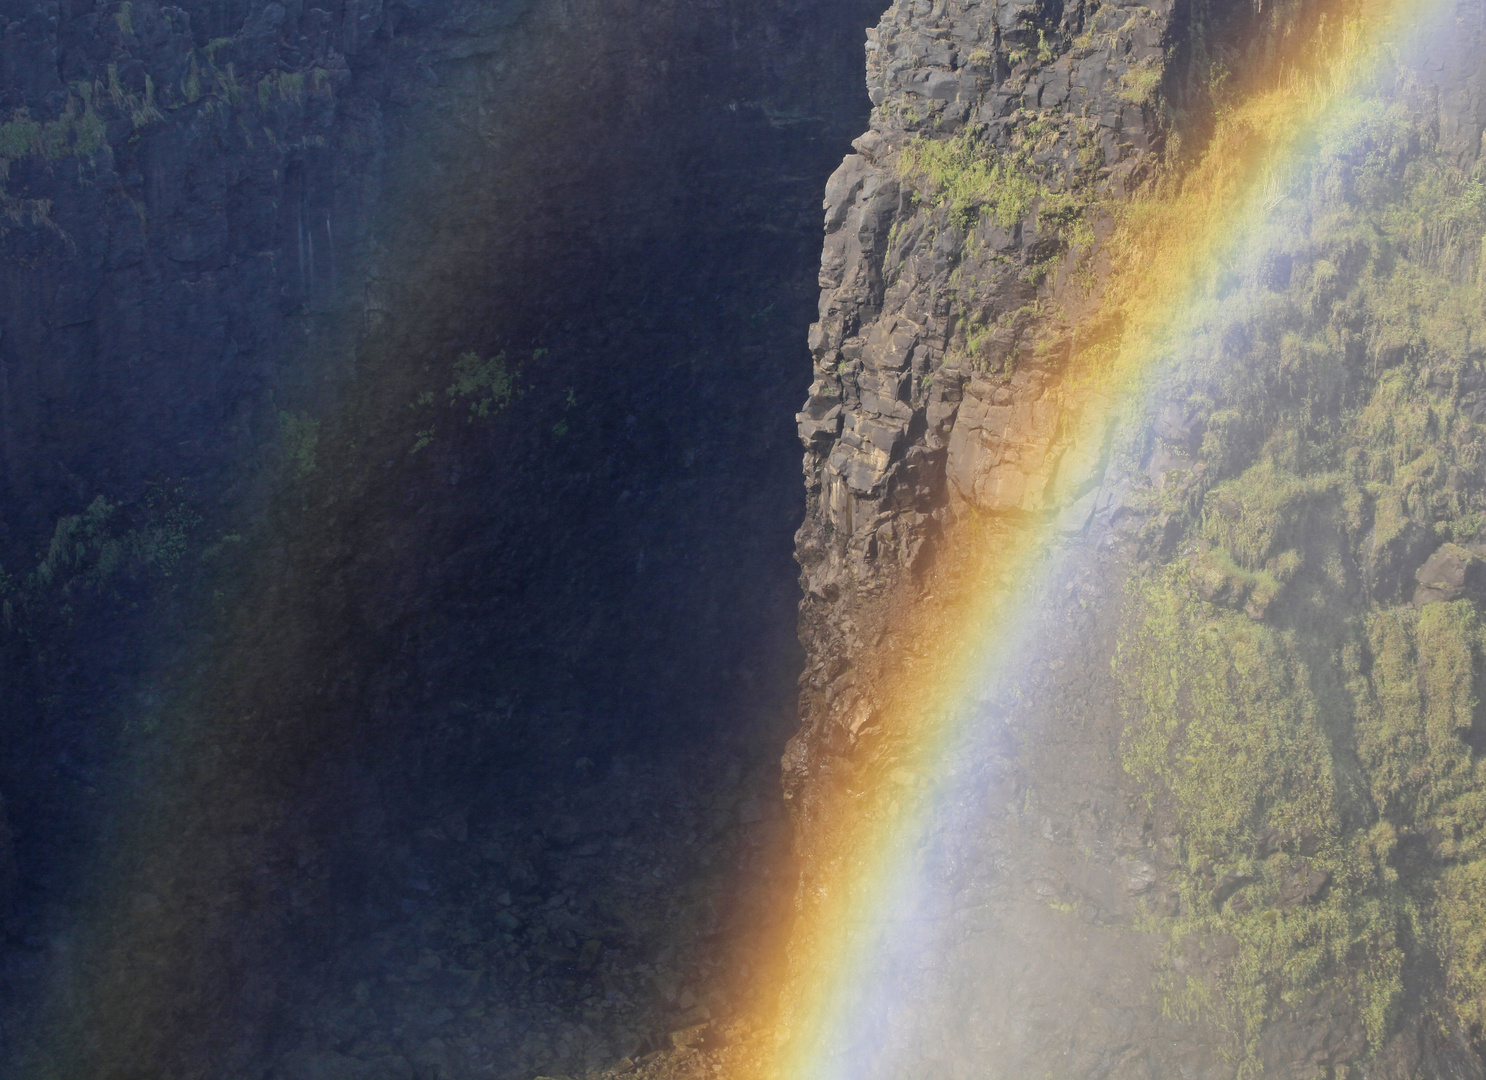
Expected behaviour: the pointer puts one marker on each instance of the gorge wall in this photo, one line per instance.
(399, 483)
(1231, 814)
(398, 403)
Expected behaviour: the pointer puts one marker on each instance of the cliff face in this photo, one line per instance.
(921, 304)
(225, 221)
(363, 366)
(933, 402)
(188, 194)
(1151, 893)
(398, 481)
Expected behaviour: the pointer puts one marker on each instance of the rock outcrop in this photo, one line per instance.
(962, 255)
(935, 385)
(930, 393)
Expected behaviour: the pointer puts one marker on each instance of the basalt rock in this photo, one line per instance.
(929, 396)
(1450, 573)
(936, 399)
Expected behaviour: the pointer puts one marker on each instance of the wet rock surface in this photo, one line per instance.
(909, 413)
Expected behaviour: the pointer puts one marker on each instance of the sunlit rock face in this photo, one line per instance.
(1214, 835)
(895, 431)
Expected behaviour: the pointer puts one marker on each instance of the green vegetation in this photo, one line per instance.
(486, 384)
(98, 553)
(141, 110)
(964, 174)
(76, 132)
(1141, 83)
(1308, 736)
(481, 388)
(562, 427)
(1237, 725)
(972, 179)
(191, 86)
(277, 86)
(299, 437)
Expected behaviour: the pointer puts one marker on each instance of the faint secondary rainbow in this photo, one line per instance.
(175, 933)
(869, 910)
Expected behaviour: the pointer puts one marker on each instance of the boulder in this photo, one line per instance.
(1449, 574)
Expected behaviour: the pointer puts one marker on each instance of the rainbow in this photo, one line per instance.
(873, 908)
(170, 927)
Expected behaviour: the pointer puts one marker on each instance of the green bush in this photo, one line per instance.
(966, 175)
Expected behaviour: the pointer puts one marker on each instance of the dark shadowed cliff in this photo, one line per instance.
(398, 473)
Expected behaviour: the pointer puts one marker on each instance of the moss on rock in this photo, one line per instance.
(1311, 737)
